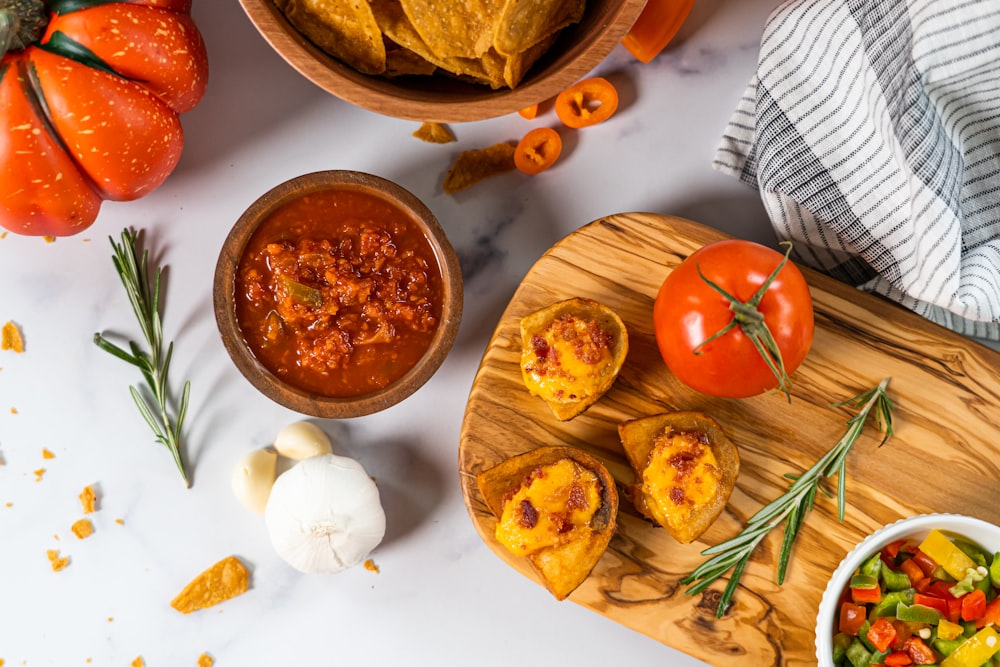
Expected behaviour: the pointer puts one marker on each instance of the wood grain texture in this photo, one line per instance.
(944, 458)
(579, 49)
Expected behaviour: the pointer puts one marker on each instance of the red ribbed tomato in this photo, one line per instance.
(90, 94)
(711, 308)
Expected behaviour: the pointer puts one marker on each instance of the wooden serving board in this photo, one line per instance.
(945, 456)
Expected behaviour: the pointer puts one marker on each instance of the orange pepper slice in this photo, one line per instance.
(656, 26)
(529, 112)
(538, 150)
(587, 102)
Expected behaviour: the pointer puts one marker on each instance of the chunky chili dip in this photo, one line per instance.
(338, 293)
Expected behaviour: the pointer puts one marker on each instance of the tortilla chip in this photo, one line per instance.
(456, 29)
(525, 23)
(10, 338)
(517, 66)
(434, 133)
(346, 29)
(223, 581)
(473, 166)
(401, 61)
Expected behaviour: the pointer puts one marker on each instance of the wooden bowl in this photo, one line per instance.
(579, 49)
(279, 390)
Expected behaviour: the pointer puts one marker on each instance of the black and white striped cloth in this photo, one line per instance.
(872, 131)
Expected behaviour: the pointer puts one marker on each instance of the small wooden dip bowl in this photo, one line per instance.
(579, 49)
(308, 402)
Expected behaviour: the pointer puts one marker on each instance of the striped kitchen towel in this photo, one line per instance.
(872, 131)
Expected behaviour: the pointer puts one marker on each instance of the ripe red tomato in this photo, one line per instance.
(688, 311)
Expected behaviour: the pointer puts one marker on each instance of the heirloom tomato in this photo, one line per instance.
(90, 93)
(734, 319)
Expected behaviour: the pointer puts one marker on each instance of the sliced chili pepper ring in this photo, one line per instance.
(538, 150)
(587, 102)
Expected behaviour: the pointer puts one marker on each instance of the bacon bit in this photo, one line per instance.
(577, 498)
(83, 528)
(88, 499)
(529, 515)
(11, 338)
(371, 566)
(46, 454)
(677, 495)
(38, 474)
(58, 562)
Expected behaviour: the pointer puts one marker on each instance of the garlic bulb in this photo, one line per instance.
(302, 439)
(324, 514)
(252, 478)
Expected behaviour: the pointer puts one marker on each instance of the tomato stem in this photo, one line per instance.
(22, 23)
(751, 321)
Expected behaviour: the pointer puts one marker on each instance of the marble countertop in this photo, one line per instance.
(441, 596)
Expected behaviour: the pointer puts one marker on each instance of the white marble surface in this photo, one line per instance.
(442, 597)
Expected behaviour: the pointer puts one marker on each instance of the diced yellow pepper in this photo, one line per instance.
(938, 546)
(948, 630)
(974, 651)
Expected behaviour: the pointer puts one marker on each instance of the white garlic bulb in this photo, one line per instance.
(325, 514)
(253, 477)
(302, 439)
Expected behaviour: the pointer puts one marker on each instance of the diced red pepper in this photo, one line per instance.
(892, 549)
(955, 610)
(903, 632)
(973, 605)
(926, 563)
(922, 585)
(992, 614)
(912, 569)
(852, 617)
(866, 595)
(940, 604)
(897, 659)
(940, 589)
(919, 652)
(881, 633)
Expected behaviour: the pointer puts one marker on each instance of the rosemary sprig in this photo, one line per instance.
(154, 364)
(793, 505)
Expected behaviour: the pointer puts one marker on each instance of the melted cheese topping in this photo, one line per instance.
(681, 475)
(553, 506)
(567, 360)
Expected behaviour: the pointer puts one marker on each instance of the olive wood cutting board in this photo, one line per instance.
(944, 457)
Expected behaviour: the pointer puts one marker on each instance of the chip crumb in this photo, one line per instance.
(83, 528)
(205, 660)
(13, 411)
(38, 474)
(371, 566)
(88, 498)
(46, 454)
(120, 522)
(58, 562)
(223, 581)
(49, 239)
(139, 662)
(434, 133)
(11, 338)
(473, 166)
(10, 504)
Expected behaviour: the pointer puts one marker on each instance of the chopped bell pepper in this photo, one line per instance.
(975, 650)
(841, 641)
(866, 595)
(995, 570)
(966, 583)
(943, 551)
(894, 580)
(939, 604)
(858, 654)
(917, 613)
(947, 630)
(882, 634)
(919, 652)
(911, 568)
(887, 607)
(898, 659)
(851, 618)
(974, 605)
(991, 615)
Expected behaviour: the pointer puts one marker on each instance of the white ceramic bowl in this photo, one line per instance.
(981, 532)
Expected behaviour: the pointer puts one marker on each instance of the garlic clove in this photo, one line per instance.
(253, 477)
(325, 514)
(302, 439)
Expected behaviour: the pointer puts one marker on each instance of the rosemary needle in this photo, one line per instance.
(792, 506)
(154, 363)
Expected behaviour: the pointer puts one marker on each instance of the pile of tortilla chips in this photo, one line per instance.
(493, 42)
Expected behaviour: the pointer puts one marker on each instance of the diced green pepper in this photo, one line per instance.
(841, 641)
(971, 550)
(917, 613)
(872, 566)
(302, 294)
(887, 607)
(946, 646)
(894, 580)
(858, 655)
(995, 570)
(975, 650)
(863, 635)
(865, 581)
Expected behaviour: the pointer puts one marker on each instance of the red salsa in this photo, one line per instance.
(338, 293)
